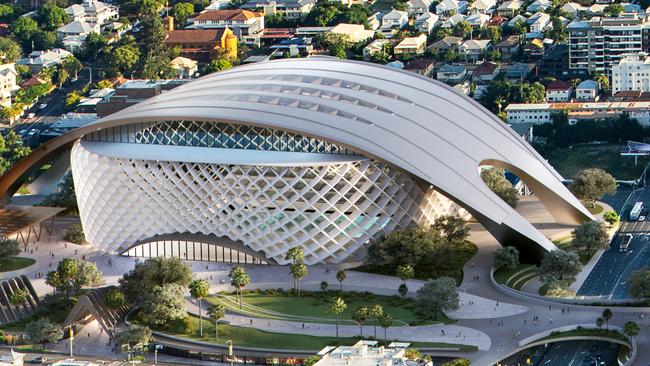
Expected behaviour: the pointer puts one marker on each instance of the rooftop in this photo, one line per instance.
(194, 35)
(558, 85)
(229, 15)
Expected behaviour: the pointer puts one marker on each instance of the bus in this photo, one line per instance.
(625, 243)
(636, 211)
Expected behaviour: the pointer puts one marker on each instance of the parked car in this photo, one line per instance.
(31, 115)
(41, 106)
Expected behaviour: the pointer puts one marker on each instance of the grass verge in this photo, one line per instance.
(515, 278)
(250, 337)
(568, 162)
(15, 263)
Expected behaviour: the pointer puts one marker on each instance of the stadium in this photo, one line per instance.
(325, 154)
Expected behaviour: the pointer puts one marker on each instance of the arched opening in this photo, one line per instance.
(196, 247)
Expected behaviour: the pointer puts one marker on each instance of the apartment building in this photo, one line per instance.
(597, 44)
(632, 72)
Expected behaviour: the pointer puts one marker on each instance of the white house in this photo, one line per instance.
(632, 72)
(446, 7)
(509, 8)
(94, 12)
(416, 8)
(475, 49)
(38, 60)
(453, 20)
(538, 5)
(451, 73)
(376, 46)
(478, 20)
(482, 6)
(186, 67)
(587, 91)
(7, 83)
(78, 28)
(535, 113)
(559, 91)
(356, 32)
(412, 45)
(538, 22)
(572, 8)
(395, 19)
(426, 22)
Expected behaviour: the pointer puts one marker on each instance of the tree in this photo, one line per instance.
(51, 17)
(9, 248)
(7, 13)
(298, 271)
(311, 360)
(336, 307)
(613, 10)
(122, 59)
(42, 331)
(631, 329)
(559, 289)
(93, 44)
(607, 316)
(218, 64)
(405, 272)
(600, 322)
(104, 84)
(403, 290)
(239, 280)
(72, 65)
(462, 29)
(458, 362)
(75, 234)
(341, 276)
(453, 227)
(198, 290)
(44, 40)
(611, 217)
(115, 299)
(137, 283)
(11, 149)
(492, 33)
(592, 184)
(324, 286)
(603, 81)
(495, 179)
(360, 315)
(216, 312)
(182, 11)
(376, 311)
(336, 43)
(135, 338)
(72, 99)
(506, 257)
(559, 265)
(640, 283)
(589, 237)
(73, 274)
(164, 304)
(438, 295)
(10, 51)
(24, 28)
(19, 296)
(385, 322)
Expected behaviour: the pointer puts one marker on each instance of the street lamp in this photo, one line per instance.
(155, 353)
(71, 337)
(90, 74)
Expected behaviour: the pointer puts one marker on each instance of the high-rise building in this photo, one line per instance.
(631, 73)
(597, 44)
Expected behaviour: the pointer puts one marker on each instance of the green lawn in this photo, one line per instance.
(570, 161)
(249, 337)
(596, 209)
(515, 278)
(15, 263)
(312, 307)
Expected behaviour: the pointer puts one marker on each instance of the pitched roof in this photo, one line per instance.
(511, 41)
(232, 14)
(588, 84)
(194, 35)
(418, 64)
(558, 85)
(486, 68)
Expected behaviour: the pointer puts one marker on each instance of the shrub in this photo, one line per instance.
(75, 234)
(183, 325)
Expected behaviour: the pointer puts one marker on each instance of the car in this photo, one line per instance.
(641, 218)
(31, 115)
(41, 106)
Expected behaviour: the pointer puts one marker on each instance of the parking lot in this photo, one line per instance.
(608, 279)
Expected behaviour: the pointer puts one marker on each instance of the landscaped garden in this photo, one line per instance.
(313, 306)
(15, 263)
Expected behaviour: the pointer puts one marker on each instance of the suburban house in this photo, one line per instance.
(518, 72)
(447, 43)
(475, 49)
(38, 60)
(412, 45)
(485, 72)
(421, 66)
(445, 7)
(416, 8)
(246, 25)
(7, 83)
(587, 91)
(538, 22)
(534, 49)
(186, 67)
(376, 46)
(451, 21)
(355, 32)
(509, 47)
(289, 9)
(482, 6)
(452, 74)
(538, 5)
(202, 45)
(94, 12)
(74, 34)
(509, 8)
(572, 9)
(426, 22)
(395, 19)
(559, 91)
(478, 20)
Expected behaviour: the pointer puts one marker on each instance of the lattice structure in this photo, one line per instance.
(329, 210)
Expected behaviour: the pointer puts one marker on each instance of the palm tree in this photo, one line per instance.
(360, 315)
(341, 276)
(499, 102)
(239, 280)
(600, 322)
(607, 315)
(336, 307)
(386, 321)
(299, 271)
(216, 312)
(376, 311)
(198, 290)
